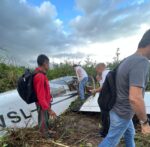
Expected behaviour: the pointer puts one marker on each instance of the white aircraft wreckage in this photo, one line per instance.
(15, 113)
(91, 105)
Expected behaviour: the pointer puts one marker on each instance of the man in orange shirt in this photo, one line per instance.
(44, 98)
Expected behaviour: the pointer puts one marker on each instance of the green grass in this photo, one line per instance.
(9, 74)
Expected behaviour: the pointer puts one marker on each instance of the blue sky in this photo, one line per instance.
(66, 10)
(126, 3)
(82, 28)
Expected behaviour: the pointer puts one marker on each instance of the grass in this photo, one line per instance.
(73, 129)
(9, 74)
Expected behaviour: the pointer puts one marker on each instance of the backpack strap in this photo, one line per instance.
(39, 71)
(36, 72)
(116, 68)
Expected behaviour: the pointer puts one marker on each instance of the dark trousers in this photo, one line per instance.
(43, 121)
(105, 122)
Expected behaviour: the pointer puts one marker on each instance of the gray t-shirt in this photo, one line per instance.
(133, 71)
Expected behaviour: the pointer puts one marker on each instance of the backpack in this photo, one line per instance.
(108, 94)
(25, 87)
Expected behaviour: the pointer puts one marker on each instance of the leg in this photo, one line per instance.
(118, 126)
(105, 123)
(43, 118)
(81, 88)
(129, 135)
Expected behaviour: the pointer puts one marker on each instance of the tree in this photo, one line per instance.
(116, 60)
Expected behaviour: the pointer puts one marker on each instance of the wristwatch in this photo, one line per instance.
(144, 122)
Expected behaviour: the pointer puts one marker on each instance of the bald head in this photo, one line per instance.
(101, 65)
(100, 68)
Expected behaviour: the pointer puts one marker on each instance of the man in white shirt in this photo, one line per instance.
(82, 78)
(102, 71)
(104, 74)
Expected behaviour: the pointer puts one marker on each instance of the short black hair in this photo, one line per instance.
(75, 65)
(42, 59)
(145, 41)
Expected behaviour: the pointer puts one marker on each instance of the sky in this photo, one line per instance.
(71, 29)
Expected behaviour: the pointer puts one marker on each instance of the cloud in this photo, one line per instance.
(104, 21)
(77, 55)
(28, 30)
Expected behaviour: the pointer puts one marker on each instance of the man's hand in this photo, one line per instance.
(145, 129)
(52, 114)
(93, 91)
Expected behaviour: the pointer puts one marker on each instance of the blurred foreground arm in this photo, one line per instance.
(138, 105)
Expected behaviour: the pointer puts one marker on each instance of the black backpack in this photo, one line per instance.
(25, 87)
(108, 94)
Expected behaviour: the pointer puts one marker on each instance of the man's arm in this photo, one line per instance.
(96, 90)
(138, 105)
(137, 79)
(137, 102)
(39, 86)
(99, 88)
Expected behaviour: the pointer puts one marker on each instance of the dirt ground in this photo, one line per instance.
(79, 129)
(73, 129)
(83, 129)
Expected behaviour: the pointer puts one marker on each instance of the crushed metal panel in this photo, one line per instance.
(57, 90)
(14, 112)
(91, 104)
(147, 102)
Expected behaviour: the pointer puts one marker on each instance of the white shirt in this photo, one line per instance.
(104, 74)
(81, 73)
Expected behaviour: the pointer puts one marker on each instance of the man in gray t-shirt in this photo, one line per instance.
(131, 80)
(134, 71)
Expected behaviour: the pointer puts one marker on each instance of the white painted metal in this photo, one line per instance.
(91, 104)
(14, 112)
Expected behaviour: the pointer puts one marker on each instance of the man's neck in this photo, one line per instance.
(42, 69)
(141, 53)
(104, 69)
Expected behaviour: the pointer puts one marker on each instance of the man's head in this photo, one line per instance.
(144, 44)
(74, 66)
(43, 61)
(100, 68)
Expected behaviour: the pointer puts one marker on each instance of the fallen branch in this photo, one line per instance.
(50, 142)
(82, 139)
(59, 144)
